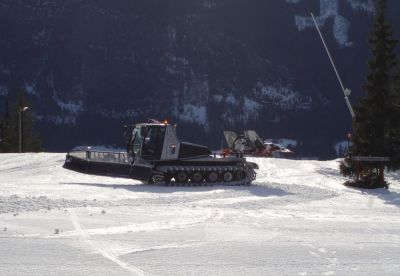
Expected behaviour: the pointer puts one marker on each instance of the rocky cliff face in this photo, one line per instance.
(91, 66)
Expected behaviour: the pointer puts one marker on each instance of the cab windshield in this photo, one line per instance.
(137, 138)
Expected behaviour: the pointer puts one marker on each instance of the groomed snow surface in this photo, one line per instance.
(296, 219)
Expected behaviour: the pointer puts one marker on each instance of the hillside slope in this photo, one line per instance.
(208, 65)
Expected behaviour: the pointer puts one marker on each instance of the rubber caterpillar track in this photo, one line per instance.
(193, 176)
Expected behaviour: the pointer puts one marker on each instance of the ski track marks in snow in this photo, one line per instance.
(86, 238)
(175, 224)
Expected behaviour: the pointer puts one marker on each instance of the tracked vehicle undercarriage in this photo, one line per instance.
(156, 156)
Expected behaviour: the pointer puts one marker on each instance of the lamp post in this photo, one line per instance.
(21, 109)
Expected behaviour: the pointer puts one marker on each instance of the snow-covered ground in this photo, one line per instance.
(297, 219)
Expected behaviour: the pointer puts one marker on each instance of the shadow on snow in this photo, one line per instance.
(260, 191)
(389, 197)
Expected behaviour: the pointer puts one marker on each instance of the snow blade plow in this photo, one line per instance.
(156, 156)
(250, 144)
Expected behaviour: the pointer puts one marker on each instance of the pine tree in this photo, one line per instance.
(6, 128)
(374, 129)
(394, 132)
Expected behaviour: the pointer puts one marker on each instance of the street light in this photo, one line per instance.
(21, 109)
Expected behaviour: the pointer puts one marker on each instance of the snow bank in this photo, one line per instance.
(296, 219)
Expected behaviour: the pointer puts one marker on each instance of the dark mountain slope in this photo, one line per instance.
(91, 66)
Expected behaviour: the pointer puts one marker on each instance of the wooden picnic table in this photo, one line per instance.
(373, 165)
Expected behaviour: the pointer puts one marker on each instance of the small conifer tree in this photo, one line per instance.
(375, 114)
(13, 119)
(394, 132)
(5, 124)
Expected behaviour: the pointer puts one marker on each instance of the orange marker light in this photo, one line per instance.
(165, 122)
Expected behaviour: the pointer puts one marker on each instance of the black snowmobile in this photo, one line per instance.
(155, 155)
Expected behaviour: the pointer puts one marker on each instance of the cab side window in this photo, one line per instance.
(153, 143)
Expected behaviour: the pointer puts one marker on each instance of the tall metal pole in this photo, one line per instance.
(20, 110)
(346, 91)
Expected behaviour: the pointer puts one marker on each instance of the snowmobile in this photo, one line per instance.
(156, 155)
(250, 144)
